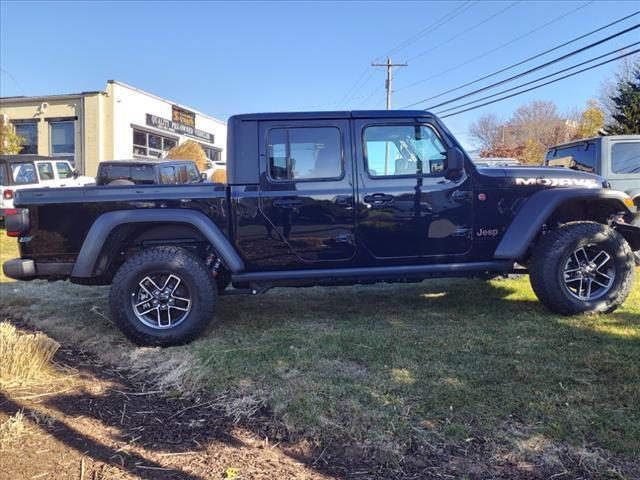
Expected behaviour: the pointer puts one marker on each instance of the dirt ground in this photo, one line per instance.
(103, 424)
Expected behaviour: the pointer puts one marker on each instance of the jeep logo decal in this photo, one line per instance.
(558, 182)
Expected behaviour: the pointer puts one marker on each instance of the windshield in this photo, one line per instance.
(577, 157)
(23, 173)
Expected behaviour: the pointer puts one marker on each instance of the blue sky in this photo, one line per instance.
(231, 57)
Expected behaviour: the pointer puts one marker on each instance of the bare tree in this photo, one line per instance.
(608, 88)
(486, 132)
(538, 121)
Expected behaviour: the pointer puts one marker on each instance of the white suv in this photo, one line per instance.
(18, 172)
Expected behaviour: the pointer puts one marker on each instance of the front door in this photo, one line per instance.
(408, 208)
(307, 192)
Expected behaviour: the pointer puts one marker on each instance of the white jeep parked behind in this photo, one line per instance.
(19, 172)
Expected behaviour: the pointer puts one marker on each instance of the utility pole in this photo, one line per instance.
(389, 66)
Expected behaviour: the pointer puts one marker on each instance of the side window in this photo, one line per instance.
(64, 170)
(182, 174)
(23, 173)
(625, 157)
(192, 172)
(401, 150)
(143, 174)
(168, 175)
(45, 171)
(304, 153)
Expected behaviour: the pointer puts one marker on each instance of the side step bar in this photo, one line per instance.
(373, 273)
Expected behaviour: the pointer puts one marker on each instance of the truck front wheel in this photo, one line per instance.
(162, 296)
(582, 267)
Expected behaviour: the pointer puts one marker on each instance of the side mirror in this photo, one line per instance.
(455, 163)
(75, 173)
(203, 176)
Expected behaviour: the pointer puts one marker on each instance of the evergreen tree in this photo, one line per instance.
(626, 119)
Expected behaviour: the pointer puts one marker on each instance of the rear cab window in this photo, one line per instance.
(109, 173)
(580, 157)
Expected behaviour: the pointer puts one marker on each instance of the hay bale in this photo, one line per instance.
(189, 150)
(25, 358)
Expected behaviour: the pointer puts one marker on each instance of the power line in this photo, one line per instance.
(456, 12)
(542, 85)
(353, 90)
(541, 78)
(499, 47)
(467, 30)
(527, 72)
(525, 60)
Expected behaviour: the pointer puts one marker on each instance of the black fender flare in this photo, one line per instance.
(98, 233)
(537, 210)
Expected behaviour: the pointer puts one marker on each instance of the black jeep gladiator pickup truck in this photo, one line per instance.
(328, 198)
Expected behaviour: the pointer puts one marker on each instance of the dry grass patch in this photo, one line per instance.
(12, 430)
(25, 358)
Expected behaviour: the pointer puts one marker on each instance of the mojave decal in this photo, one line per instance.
(557, 182)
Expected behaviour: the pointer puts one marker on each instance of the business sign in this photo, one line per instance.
(185, 117)
(183, 122)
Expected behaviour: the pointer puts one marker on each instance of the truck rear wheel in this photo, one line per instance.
(162, 296)
(582, 267)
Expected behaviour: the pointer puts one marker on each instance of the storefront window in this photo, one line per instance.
(29, 133)
(213, 155)
(151, 144)
(63, 139)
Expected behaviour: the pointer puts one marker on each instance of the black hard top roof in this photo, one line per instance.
(144, 161)
(328, 115)
(27, 158)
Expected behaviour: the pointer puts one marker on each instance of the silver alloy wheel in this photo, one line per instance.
(589, 273)
(161, 301)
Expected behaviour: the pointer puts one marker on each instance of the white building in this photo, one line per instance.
(121, 122)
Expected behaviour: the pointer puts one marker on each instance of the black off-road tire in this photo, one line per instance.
(169, 260)
(546, 268)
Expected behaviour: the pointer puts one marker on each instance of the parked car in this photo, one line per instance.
(148, 172)
(329, 198)
(18, 172)
(615, 158)
(496, 162)
(212, 167)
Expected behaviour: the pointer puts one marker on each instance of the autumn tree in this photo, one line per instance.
(625, 119)
(591, 121)
(10, 142)
(189, 150)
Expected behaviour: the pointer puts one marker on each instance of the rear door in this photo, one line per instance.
(408, 208)
(307, 191)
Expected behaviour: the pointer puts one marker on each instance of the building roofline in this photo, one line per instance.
(166, 100)
(62, 96)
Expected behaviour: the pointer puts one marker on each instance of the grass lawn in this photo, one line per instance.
(391, 370)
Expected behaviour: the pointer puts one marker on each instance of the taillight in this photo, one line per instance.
(16, 221)
(7, 194)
